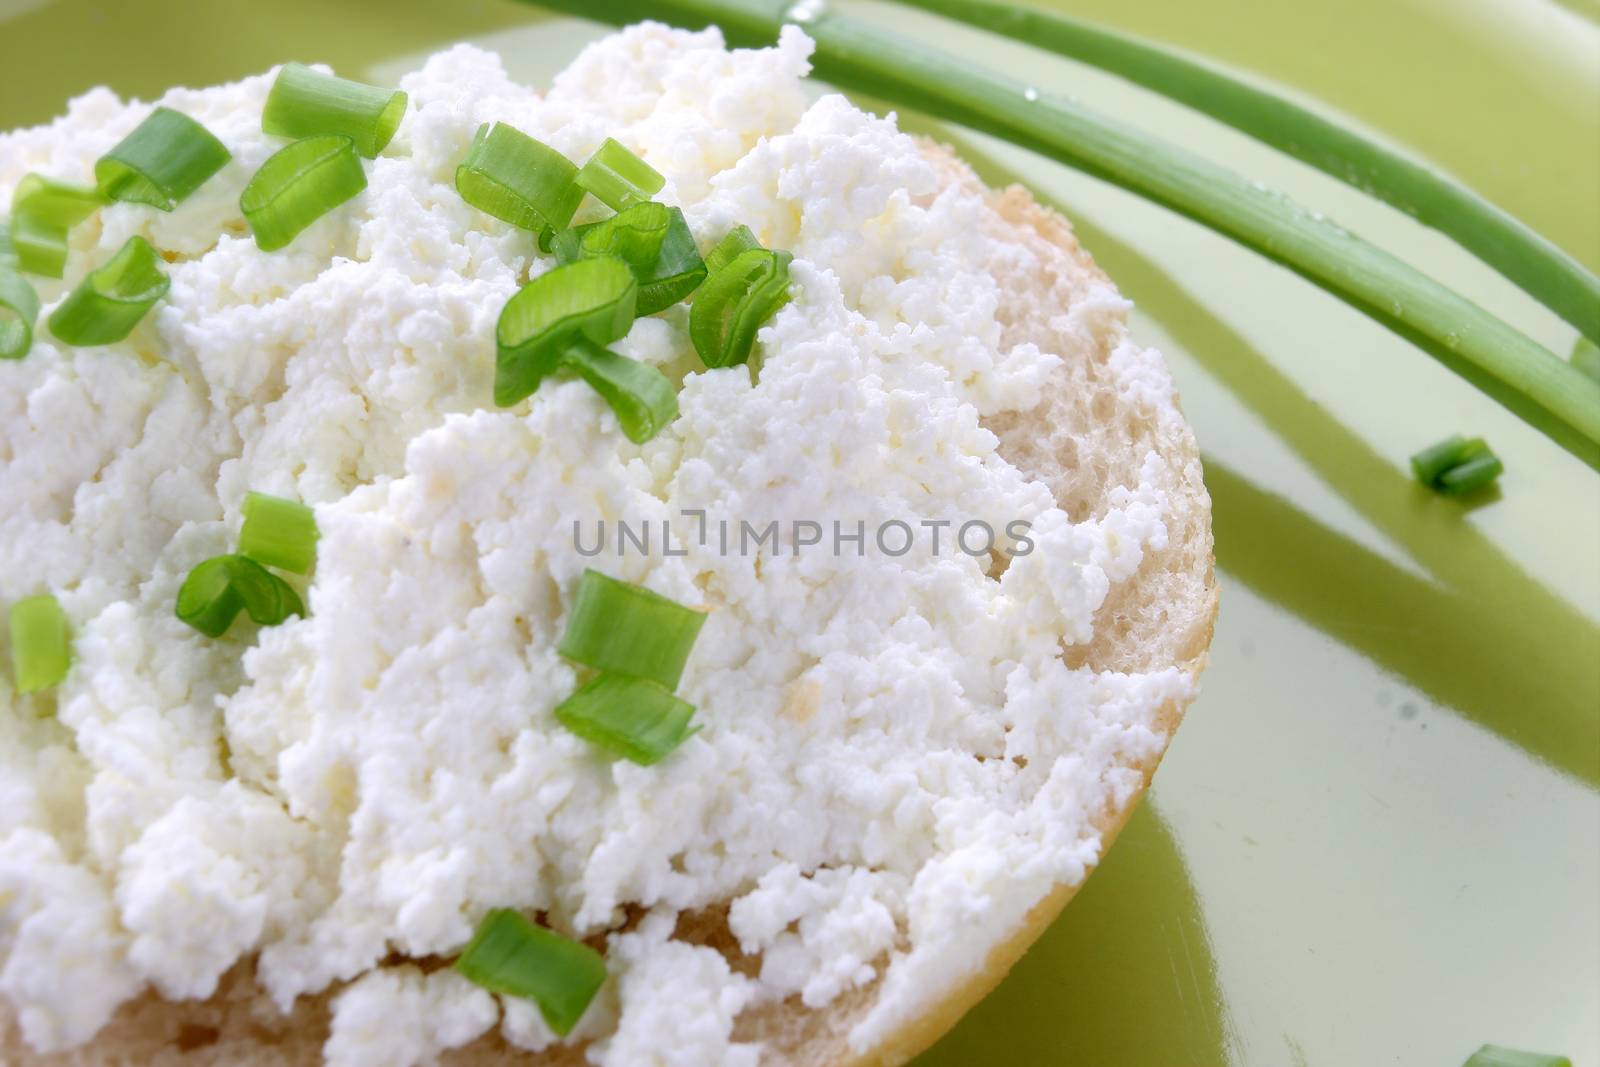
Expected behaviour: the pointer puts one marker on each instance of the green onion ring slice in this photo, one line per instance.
(735, 302)
(39, 247)
(641, 396)
(1471, 474)
(56, 203)
(217, 589)
(1434, 460)
(634, 235)
(512, 956)
(110, 301)
(19, 310)
(635, 718)
(278, 532)
(43, 211)
(307, 103)
(618, 178)
(739, 239)
(41, 643)
(593, 298)
(627, 629)
(656, 243)
(167, 157)
(519, 180)
(207, 599)
(1457, 465)
(299, 184)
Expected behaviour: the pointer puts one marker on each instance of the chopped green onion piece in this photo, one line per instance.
(214, 593)
(566, 244)
(1456, 465)
(110, 301)
(656, 243)
(512, 956)
(739, 239)
(167, 157)
(19, 310)
(1495, 1056)
(207, 600)
(1473, 474)
(634, 235)
(735, 302)
(307, 103)
(40, 247)
(677, 271)
(268, 599)
(299, 184)
(8, 251)
(618, 178)
(278, 532)
(632, 717)
(593, 298)
(627, 629)
(641, 396)
(518, 180)
(1434, 460)
(43, 210)
(41, 647)
(57, 203)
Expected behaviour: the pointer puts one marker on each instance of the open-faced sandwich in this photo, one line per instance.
(664, 570)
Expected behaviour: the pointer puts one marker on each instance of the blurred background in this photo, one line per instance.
(1377, 838)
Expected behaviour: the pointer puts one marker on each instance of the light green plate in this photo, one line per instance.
(1377, 839)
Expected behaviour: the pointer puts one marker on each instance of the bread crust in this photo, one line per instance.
(1164, 616)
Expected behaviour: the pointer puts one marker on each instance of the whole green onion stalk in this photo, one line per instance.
(1532, 262)
(1532, 382)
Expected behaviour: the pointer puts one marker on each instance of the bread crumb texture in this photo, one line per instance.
(291, 831)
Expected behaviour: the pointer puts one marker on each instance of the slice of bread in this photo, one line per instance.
(1092, 431)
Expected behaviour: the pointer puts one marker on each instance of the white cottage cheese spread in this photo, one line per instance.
(894, 764)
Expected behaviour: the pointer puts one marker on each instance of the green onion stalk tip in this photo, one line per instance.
(1541, 388)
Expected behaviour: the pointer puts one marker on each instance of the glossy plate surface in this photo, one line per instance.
(1377, 838)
